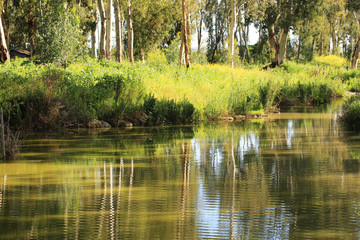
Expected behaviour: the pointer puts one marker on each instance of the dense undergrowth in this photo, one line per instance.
(50, 97)
(351, 114)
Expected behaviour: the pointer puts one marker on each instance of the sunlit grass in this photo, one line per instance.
(87, 90)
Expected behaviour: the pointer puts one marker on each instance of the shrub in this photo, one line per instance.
(168, 111)
(331, 60)
(351, 115)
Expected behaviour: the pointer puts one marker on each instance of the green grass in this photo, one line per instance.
(160, 93)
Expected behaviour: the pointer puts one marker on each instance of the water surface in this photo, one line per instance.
(295, 176)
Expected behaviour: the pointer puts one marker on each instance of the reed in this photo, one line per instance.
(50, 96)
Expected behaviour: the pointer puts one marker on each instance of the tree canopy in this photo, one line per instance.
(65, 30)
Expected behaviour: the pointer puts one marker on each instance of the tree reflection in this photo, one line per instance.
(281, 178)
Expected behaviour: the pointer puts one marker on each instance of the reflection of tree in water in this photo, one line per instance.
(182, 230)
(2, 191)
(286, 169)
(279, 179)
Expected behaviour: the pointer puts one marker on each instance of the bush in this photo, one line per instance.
(351, 115)
(168, 111)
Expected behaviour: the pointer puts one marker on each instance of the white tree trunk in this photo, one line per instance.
(108, 29)
(185, 34)
(4, 51)
(93, 34)
(103, 29)
(355, 57)
(93, 43)
(232, 30)
(130, 34)
(118, 31)
(282, 46)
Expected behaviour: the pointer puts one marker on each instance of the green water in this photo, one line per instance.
(295, 176)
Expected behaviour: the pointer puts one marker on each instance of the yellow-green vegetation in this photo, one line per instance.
(160, 93)
(331, 60)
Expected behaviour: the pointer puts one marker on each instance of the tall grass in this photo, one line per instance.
(157, 92)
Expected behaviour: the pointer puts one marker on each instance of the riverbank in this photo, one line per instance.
(49, 97)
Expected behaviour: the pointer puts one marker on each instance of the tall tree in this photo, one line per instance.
(232, 29)
(354, 7)
(102, 54)
(217, 14)
(200, 6)
(93, 32)
(130, 30)
(118, 31)
(4, 51)
(185, 47)
(155, 24)
(108, 29)
(281, 15)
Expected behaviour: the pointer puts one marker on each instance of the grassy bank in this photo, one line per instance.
(47, 96)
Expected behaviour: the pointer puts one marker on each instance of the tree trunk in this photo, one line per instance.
(118, 31)
(355, 57)
(188, 36)
(6, 22)
(232, 30)
(200, 31)
(333, 36)
(31, 27)
(130, 34)
(299, 48)
(321, 44)
(282, 45)
(218, 39)
(4, 51)
(240, 37)
(246, 40)
(103, 29)
(93, 34)
(185, 34)
(181, 53)
(108, 30)
(93, 43)
(278, 46)
(274, 45)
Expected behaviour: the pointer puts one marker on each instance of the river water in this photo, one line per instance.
(293, 176)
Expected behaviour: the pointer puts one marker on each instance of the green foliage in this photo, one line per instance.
(354, 85)
(352, 112)
(168, 111)
(157, 92)
(60, 36)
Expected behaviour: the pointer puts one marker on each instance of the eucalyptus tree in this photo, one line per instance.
(200, 4)
(60, 36)
(130, 30)
(185, 47)
(4, 51)
(354, 8)
(334, 14)
(281, 15)
(118, 31)
(216, 19)
(101, 8)
(153, 21)
(93, 27)
(234, 12)
(108, 29)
